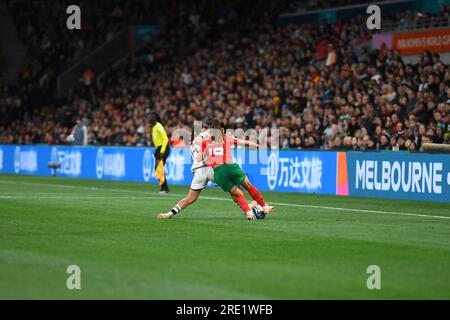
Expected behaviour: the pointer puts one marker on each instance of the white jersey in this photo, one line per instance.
(202, 176)
(202, 173)
(195, 150)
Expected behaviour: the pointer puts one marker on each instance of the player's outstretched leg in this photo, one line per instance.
(239, 198)
(182, 204)
(256, 195)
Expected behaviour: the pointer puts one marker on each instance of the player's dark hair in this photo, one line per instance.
(216, 123)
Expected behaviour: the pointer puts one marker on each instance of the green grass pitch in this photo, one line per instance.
(311, 247)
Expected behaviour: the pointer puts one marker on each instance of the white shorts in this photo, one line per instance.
(201, 178)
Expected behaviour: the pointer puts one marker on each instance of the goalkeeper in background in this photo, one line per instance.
(162, 150)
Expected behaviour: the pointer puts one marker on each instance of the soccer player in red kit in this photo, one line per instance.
(228, 175)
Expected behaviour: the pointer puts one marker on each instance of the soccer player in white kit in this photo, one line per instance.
(202, 175)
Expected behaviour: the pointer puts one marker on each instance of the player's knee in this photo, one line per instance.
(247, 185)
(236, 192)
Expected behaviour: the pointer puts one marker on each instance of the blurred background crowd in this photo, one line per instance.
(319, 85)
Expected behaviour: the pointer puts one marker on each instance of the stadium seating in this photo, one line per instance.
(311, 82)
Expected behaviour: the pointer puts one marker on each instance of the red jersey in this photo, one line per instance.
(218, 153)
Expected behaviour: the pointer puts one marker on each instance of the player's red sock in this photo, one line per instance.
(256, 195)
(243, 204)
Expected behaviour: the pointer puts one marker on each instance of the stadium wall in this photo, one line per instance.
(399, 175)
(347, 13)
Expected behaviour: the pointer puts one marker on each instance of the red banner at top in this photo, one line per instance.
(409, 43)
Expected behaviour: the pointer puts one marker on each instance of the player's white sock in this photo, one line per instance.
(175, 210)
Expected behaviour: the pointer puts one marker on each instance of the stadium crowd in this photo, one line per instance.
(52, 48)
(317, 85)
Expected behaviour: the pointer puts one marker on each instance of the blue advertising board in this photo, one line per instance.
(400, 175)
(291, 171)
(285, 171)
(104, 163)
(411, 176)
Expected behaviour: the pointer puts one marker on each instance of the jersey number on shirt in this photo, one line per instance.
(217, 151)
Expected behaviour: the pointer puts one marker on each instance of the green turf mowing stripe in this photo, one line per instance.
(227, 199)
(210, 251)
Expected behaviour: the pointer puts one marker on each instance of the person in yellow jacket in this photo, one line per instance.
(162, 150)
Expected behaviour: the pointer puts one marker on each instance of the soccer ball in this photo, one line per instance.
(258, 212)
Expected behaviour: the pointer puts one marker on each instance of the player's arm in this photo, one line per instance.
(160, 139)
(155, 140)
(248, 143)
(198, 141)
(201, 156)
(71, 137)
(85, 137)
(164, 139)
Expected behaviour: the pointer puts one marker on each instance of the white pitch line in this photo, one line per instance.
(362, 210)
(225, 199)
(341, 209)
(72, 187)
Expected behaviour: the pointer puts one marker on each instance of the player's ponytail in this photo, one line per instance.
(217, 124)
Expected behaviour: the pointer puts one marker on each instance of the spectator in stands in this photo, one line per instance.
(255, 75)
(79, 135)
